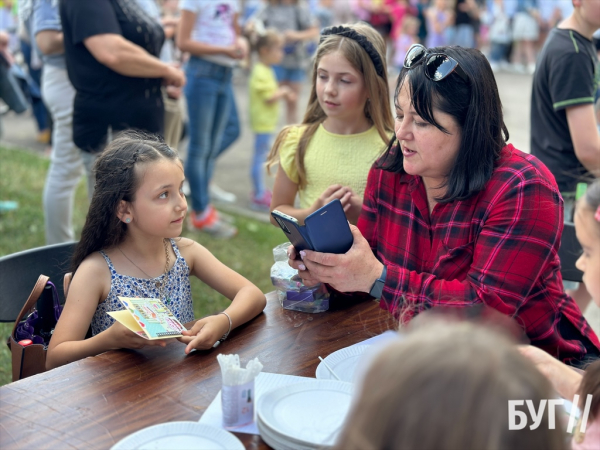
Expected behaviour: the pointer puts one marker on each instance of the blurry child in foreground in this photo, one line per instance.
(566, 381)
(447, 386)
(265, 94)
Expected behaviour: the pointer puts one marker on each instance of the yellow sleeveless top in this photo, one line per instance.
(331, 159)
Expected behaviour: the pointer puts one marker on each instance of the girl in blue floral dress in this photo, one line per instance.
(130, 247)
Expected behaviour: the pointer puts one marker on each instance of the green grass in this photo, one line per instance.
(22, 177)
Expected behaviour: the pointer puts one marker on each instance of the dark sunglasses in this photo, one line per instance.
(437, 65)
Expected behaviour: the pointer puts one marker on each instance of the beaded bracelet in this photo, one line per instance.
(226, 334)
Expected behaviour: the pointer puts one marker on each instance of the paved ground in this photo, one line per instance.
(232, 171)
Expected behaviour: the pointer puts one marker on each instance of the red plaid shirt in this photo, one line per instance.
(498, 247)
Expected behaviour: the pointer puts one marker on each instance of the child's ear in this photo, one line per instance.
(124, 211)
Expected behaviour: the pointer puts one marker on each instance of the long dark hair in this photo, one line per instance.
(116, 179)
(477, 108)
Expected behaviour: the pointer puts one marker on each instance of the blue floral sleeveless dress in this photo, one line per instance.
(177, 291)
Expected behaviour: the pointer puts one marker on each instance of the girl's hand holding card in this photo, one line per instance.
(123, 337)
(206, 333)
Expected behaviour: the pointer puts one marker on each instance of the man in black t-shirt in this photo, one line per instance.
(111, 49)
(563, 127)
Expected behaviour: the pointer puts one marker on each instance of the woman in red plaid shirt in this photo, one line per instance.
(454, 216)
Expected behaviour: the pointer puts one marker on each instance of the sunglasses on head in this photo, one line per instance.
(437, 65)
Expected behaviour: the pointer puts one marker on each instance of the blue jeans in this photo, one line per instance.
(289, 75)
(209, 96)
(262, 143)
(464, 36)
(498, 52)
(39, 109)
(232, 129)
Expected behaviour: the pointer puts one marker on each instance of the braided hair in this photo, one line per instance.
(117, 178)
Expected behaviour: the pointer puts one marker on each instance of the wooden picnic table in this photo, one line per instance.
(95, 402)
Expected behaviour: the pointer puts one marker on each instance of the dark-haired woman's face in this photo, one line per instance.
(427, 151)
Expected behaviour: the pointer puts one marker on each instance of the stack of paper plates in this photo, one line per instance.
(303, 416)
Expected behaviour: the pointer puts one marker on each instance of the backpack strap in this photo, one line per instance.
(67, 282)
(33, 297)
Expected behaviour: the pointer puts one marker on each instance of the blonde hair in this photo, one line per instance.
(377, 109)
(447, 386)
(268, 39)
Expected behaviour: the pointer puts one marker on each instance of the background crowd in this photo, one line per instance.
(83, 88)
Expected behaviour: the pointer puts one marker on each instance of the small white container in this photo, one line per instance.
(237, 403)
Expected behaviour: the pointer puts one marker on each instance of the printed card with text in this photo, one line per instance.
(148, 317)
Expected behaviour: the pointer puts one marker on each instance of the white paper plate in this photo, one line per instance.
(310, 414)
(180, 436)
(281, 443)
(343, 362)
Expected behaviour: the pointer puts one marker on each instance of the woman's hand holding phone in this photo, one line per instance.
(354, 271)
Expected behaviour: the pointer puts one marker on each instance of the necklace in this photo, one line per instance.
(165, 276)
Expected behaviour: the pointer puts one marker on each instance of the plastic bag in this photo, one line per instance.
(292, 293)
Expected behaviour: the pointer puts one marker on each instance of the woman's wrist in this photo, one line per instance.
(377, 273)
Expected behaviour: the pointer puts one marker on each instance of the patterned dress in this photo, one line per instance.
(177, 291)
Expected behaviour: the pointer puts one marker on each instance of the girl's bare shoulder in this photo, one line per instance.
(93, 275)
(190, 249)
(94, 263)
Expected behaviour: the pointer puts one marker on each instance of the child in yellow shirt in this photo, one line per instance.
(346, 127)
(265, 94)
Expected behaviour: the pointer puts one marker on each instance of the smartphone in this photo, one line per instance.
(326, 230)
